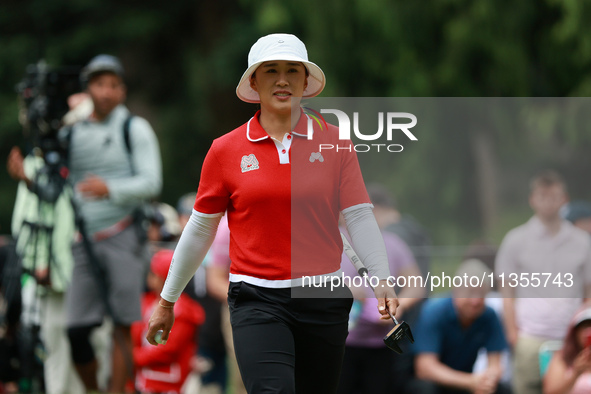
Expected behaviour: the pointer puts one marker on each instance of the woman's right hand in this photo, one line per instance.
(582, 362)
(162, 319)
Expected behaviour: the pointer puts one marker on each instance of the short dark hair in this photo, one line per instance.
(380, 196)
(547, 178)
(483, 251)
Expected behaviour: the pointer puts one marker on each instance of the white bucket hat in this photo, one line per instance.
(279, 47)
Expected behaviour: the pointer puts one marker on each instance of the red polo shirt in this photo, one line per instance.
(282, 199)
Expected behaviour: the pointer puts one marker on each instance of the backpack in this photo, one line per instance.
(139, 215)
(67, 138)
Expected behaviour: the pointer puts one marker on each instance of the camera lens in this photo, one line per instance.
(52, 158)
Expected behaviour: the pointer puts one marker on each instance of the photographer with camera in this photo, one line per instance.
(44, 231)
(114, 166)
(96, 173)
(114, 163)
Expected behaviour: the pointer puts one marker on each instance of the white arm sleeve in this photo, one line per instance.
(193, 245)
(367, 240)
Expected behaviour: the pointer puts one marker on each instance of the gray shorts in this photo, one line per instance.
(125, 265)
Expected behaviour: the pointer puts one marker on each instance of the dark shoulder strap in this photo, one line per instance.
(127, 139)
(66, 143)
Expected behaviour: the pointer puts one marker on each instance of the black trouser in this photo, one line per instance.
(368, 371)
(285, 344)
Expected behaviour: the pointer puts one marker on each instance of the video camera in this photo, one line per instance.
(43, 95)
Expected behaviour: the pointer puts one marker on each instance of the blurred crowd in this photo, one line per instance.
(67, 325)
(492, 337)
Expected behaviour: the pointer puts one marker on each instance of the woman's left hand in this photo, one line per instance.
(387, 299)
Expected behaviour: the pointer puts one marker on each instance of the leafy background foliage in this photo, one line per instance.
(184, 58)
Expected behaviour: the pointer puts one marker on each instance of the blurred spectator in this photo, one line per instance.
(367, 360)
(212, 348)
(164, 227)
(483, 251)
(569, 371)
(579, 214)
(486, 253)
(416, 238)
(404, 226)
(218, 270)
(43, 228)
(448, 335)
(218, 280)
(10, 310)
(184, 208)
(164, 368)
(114, 163)
(546, 244)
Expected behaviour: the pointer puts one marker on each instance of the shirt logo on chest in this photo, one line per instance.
(249, 163)
(316, 156)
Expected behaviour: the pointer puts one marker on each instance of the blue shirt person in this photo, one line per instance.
(448, 335)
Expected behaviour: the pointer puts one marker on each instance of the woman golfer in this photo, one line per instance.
(283, 195)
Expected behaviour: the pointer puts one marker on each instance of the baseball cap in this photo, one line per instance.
(185, 204)
(279, 47)
(102, 63)
(576, 210)
(160, 263)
